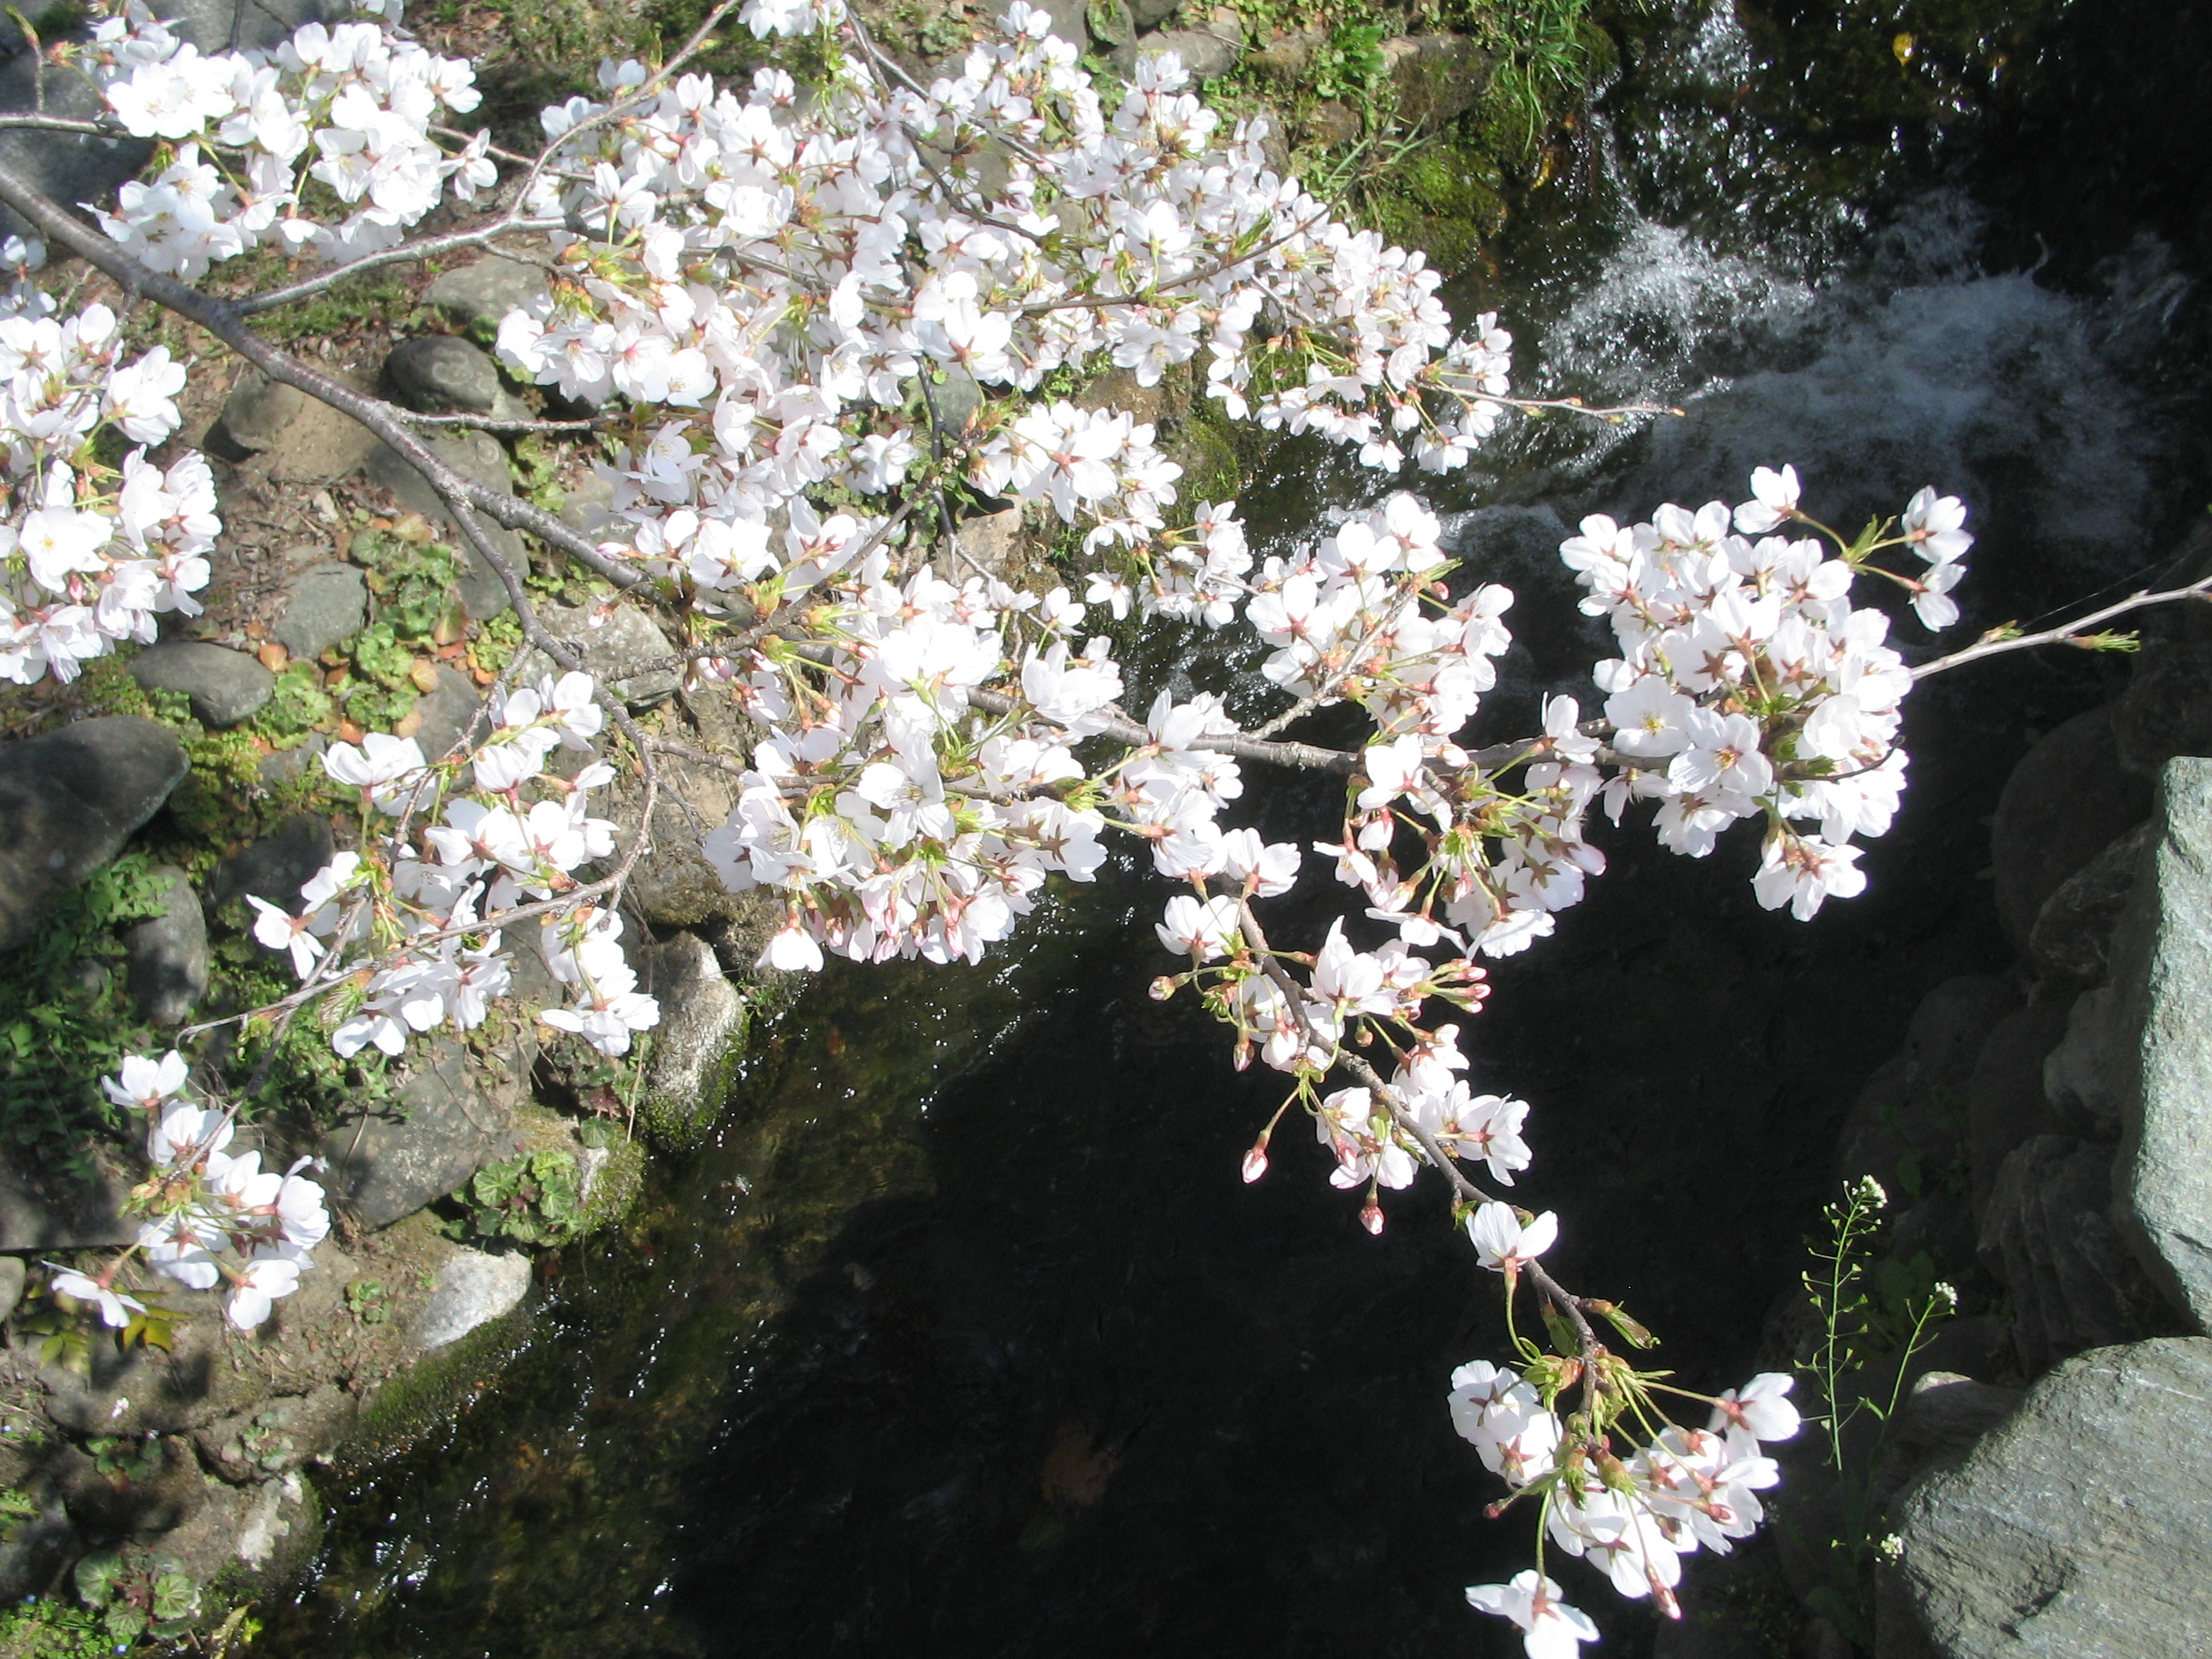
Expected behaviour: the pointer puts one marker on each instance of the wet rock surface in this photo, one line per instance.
(68, 800)
(695, 1046)
(2077, 1529)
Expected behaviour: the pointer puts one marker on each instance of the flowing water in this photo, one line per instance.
(964, 1336)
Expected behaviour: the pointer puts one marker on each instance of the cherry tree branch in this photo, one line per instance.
(1996, 643)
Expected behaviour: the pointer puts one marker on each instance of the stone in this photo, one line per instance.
(1437, 76)
(1287, 57)
(2084, 1077)
(257, 1538)
(2167, 709)
(994, 540)
(169, 953)
(43, 1210)
(68, 800)
(703, 1024)
(1111, 21)
(2066, 801)
(2162, 972)
(2005, 1102)
(328, 605)
(1150, 13)
(277, 1434)
(2077, 1529)
(1069, 21)
(2048, 1239)
(12, 1274)
(439, 375)
(473, 1289)
(289, 765)
(258, 409)
(276, 866)
(446, 712)
(147, 1391)
(1330, 123)
(454, 1115)
(2072, 938)
(304, 439)
(483, 292)
(225, 687)
(1205, 54)
(614, 652)
(476, 455)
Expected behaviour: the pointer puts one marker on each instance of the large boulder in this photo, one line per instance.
(2076, 1530)
(2162, 972)
(2066, 801)
(2047, 1236)
(68, 801)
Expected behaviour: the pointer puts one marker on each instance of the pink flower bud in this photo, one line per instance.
(1163, 988)
(1255, 1161)
(1371, 1217)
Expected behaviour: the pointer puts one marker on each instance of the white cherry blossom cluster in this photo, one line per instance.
(897, 818)
(408, 930)
(791, 291)
(1749, 687)
(1634, 1516)
(214, 1218)
(816, 317)
(324, 145)
(90, 554)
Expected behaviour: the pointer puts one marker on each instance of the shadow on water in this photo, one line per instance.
(964, 1336)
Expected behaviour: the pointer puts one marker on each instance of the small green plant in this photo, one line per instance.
(410, 575)
(136, 1593)
(65, 1017)
(122, 1459)
(1873, 1319)
(1349, 67)
(533, 1200)
(297, 705)
(367, 1302)
(43, 1627)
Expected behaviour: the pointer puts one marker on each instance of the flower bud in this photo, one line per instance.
(1255, 1161)
(1371, 1217)
(1163, 988)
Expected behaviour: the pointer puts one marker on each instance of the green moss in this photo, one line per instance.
(615, 1190)
(433, 1390)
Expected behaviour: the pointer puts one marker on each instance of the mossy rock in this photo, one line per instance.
(615, 1188)
(435, 1388)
